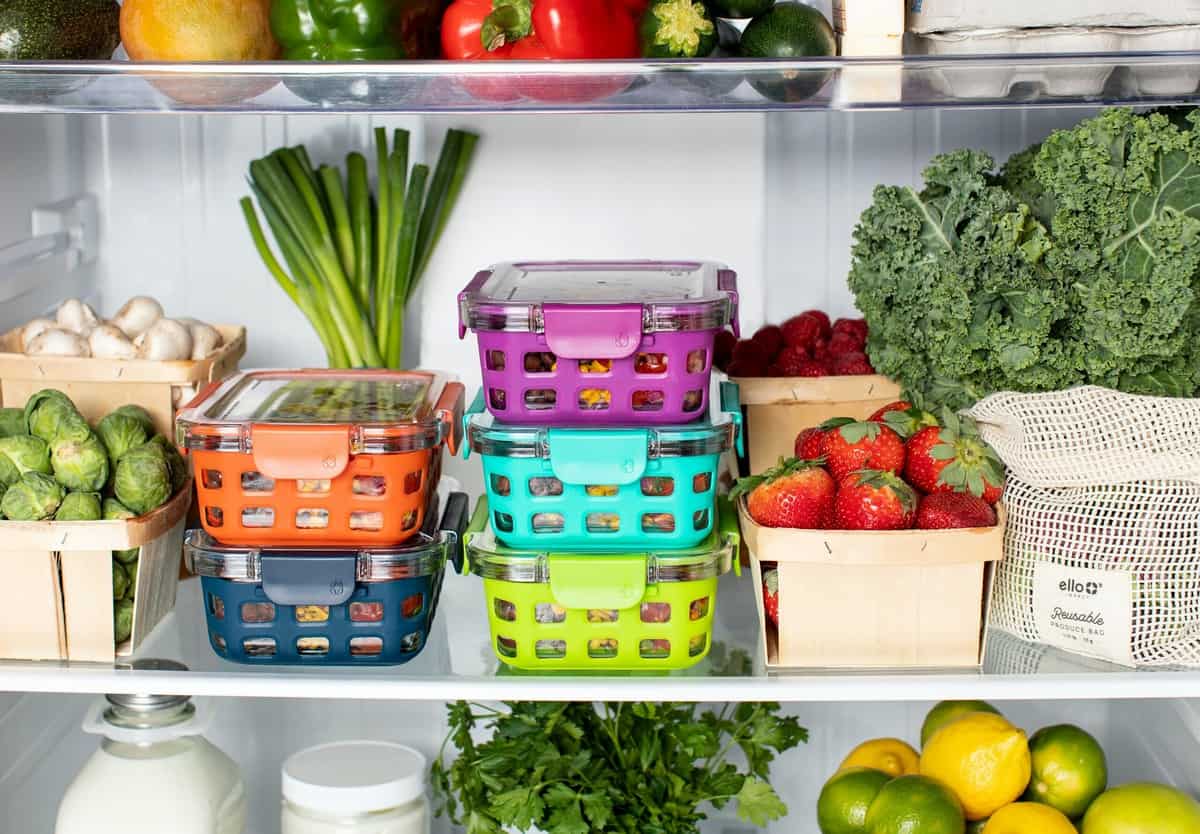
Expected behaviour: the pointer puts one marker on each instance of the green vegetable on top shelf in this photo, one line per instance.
(120, 433)
(338, 30)
(143, 478)
(34, 497)
(677, 29)
(737, 9)
(12, 421)
(789, 30)
(59, 30)
(138, 413)
(353, 262)
(79, 506)
(80, 465)
(1078, 263)
(51, 415)
(565, 768)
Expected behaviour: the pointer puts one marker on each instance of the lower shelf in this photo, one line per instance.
(458, 663)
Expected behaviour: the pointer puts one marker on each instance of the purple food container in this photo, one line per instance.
(574, 343)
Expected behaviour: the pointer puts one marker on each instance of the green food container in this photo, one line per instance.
(623, 611)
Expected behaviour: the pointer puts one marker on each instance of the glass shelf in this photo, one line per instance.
(571, 86)
(459, 663)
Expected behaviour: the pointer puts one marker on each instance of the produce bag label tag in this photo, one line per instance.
(1084, 610)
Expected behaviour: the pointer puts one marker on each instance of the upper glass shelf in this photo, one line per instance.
(573, 86)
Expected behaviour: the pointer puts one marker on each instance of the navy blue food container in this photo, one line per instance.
(326, 606)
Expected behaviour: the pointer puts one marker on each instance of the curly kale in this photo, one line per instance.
(1079, 262)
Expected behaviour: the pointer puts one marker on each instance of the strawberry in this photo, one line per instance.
(809, 443)
(750, 351)
(908, 422)
(745, 367)
(872, 500)
(851, 364)
(771, 595)
(769, 337)
(898, 405)
(951, 510)
(803, 330)
(790, 361)
(856, 328)
(796, 493)
(723, 349)
(840, 343)
(822, 320)
(954, 458)
(850, 445)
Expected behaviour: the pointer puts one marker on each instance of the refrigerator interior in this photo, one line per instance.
(1143, 740)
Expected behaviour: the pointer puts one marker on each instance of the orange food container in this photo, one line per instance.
(319, 457)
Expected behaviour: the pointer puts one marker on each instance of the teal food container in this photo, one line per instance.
(596, 490)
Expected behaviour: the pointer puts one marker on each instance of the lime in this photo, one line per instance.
(1142, 808)
(915, 805)
(1069, 769)
(982, 758)
(891, 755)
(946, 711)
(842, 806)
(1028, 818)
(976, 827)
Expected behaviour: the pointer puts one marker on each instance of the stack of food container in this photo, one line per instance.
(600, 541)
(318, 494)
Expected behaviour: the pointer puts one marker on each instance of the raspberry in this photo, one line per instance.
(851, 364)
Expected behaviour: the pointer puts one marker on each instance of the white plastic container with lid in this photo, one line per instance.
(355, 787)
(154, 771)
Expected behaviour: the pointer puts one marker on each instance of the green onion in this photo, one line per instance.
(350, 264)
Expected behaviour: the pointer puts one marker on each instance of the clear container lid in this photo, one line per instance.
(354, 777)
(422, 555)
(491, 560)
(376, 411)
(574, 296)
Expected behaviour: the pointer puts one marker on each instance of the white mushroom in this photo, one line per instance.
(55, 342)
(166, 340)
(76, 316)
(108, 342)
(34, 329)
(137, 315)
(205, 338)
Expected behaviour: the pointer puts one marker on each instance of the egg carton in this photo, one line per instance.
(956, 15)
(1063, 78)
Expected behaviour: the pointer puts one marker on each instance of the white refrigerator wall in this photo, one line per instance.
(44, 748)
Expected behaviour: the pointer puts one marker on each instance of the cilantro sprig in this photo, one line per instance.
(637, 768)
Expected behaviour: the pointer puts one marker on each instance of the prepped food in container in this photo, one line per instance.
(644, 610)
(319, 457)
(327, 606)
(605, 342)
(597, 489)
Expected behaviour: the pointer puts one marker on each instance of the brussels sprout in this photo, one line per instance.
(12, 421)
(22, 453)
(120, 581)
(79, 506)
(179, 467)
(140, 414)
(33, 498)
(123, 620)
(51, 415)
(120, 433)
(113, 510)
(127, 557)
(131, 570)
(80, 464)
(143, 479)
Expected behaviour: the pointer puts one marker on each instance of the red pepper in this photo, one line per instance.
(541, 29)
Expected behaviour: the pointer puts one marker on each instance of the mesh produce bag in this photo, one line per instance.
(1102, 548)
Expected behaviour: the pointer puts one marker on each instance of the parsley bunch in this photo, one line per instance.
(640, 768)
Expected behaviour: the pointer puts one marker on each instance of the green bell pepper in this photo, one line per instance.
(338, 30)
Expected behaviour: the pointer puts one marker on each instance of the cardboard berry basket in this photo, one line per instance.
(61, 607)
(855, 598)
(97, 386)
(776, 409)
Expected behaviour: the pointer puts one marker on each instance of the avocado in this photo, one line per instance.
(789, 30)
(59, 30)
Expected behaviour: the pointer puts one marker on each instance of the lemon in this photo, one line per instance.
(891, 755)
(946, 711)
(915, 805)
(1142, 808)
(843, 803)
(1028, 818)
(1069, 769)
(982, 758)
